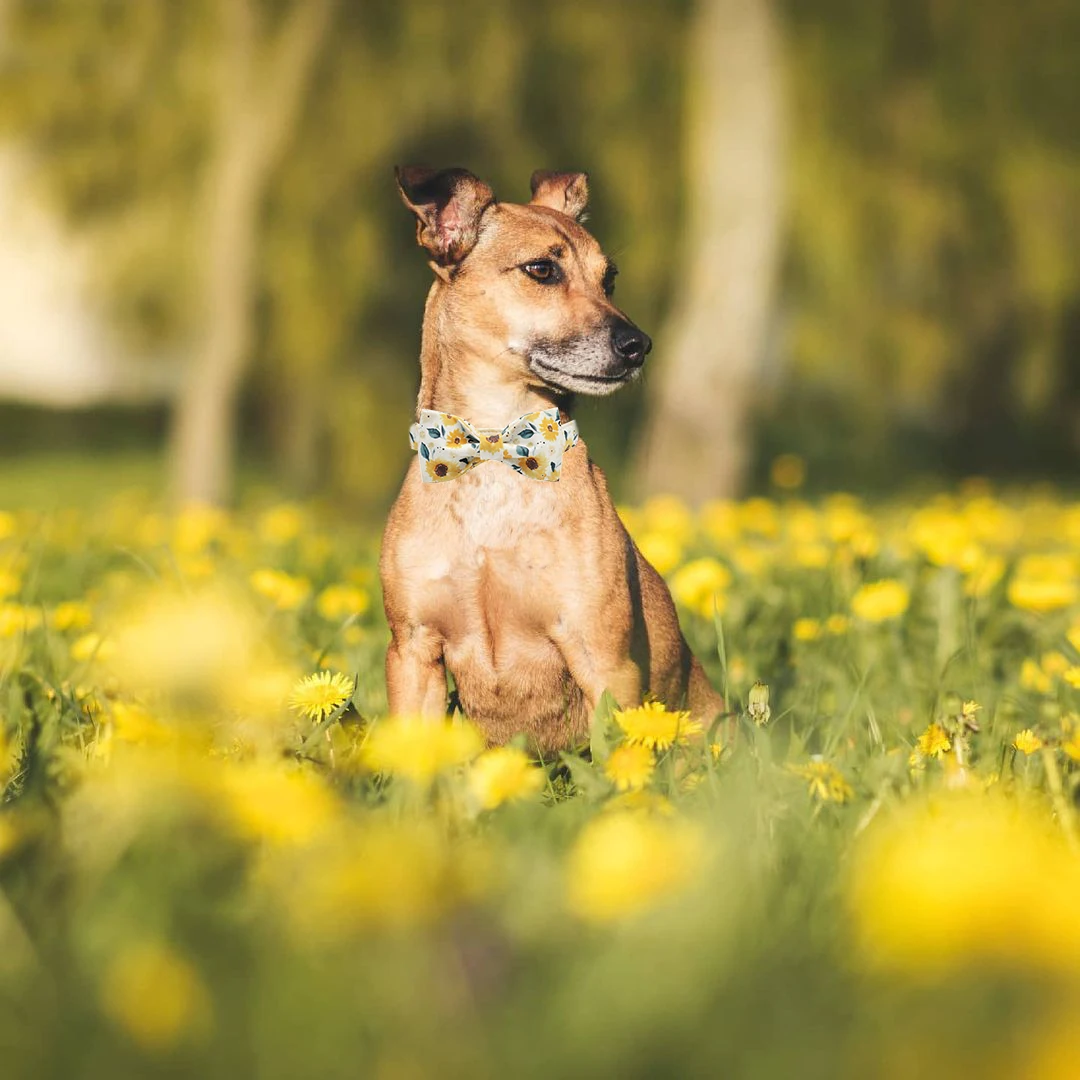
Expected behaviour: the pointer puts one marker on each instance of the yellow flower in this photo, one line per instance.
(1032, 677)
(984, 576)
(456, 437)
(133, 723)
(503, 774)
(837, 625)
(1072, 676)
(549, 428)
(15, 619)
(630, 767)
(956, 881)
(653, 726)
(337, 602)
(10, 583)
(969, 709)
(278, 804)
(662, 551)
(806, 629)
(71, 615)
(189, 645)
(1071, 745)
(442, 470)
(317, 696)
(881, 600)
(700, 584)
(418, 748)
(934, 741)
(1073, 636)
(281, 524)
(825, 781)
(91, 647)
(624, 863)
(283, 590)
(1027, 742)
(1044, 583)
(154, 995)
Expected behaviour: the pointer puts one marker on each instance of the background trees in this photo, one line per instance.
(850, 226)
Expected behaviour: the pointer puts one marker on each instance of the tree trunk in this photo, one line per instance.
(696, 437)
(262, 89)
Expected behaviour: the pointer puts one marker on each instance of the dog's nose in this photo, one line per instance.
(630, 343)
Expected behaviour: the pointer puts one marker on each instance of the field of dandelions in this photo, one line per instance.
(219, 857)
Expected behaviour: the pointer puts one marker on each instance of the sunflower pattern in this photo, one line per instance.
(532, 444)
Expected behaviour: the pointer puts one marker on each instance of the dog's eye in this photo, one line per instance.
(543, 270)
(608, 284)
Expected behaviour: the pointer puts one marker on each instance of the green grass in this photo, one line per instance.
(868, 879)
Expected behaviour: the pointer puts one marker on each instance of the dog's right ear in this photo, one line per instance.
(448, 205)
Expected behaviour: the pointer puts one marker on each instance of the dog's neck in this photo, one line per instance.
(462, 378)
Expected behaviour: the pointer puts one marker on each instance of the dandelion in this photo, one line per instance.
(503, 774)
(837, 625)
(1033, 677)
(154, 995)
(71, 615)
(337, 602)
(418, 749)
(1027, 742)
(947, 883)
(283, 590)
(806, 629)
(652, 725)
(1072, 676)
(317, 696)
(1045, 582)
(91, 647)
(968, 711)
(700, 585)
(879, 601)
(630, 767)
(825, 781)
(934, 741)
(757, 704)
(624, 863)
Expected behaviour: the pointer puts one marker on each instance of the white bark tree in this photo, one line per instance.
(696, 436)
(263, 82)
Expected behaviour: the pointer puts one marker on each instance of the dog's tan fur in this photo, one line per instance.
(532, 594)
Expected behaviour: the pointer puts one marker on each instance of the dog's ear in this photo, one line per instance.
(448, 205)
(567, 192)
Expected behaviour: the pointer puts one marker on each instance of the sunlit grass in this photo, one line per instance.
(218, 856)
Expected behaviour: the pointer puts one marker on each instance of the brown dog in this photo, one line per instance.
(532, 594)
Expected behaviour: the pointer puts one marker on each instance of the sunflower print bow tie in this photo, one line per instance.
(532, 444)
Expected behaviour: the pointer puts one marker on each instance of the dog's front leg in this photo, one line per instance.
(416, 673)
(597, 665)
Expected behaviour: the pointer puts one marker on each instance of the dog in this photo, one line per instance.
(531, 594)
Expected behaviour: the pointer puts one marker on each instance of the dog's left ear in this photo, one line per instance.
(448, 205)
(567, 192)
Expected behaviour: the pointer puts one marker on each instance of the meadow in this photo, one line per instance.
(220, 858)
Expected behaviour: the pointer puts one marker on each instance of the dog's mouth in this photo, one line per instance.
(577, 381)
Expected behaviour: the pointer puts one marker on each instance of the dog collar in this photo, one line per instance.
(532, 445)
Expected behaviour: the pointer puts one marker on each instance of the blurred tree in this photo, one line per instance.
(261, 81)
(696, 442)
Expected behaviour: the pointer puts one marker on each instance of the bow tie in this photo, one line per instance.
(532, 444)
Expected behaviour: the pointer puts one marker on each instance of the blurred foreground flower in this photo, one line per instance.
(962, 880)
(652, 725)
(317, 696)
(624, 863)
(418, 748)
(189, 646)
(283, 590)
(630, 767)
(154, 995)
(504, 774)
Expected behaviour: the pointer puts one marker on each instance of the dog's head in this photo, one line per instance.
(525, 284)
